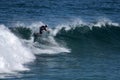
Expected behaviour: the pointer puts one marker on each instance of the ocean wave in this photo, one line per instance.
(75, 36)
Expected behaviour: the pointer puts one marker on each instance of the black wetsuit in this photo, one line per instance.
(36, 35)
(41, 29)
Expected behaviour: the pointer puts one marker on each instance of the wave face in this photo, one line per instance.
(90, 37)
(13, 54)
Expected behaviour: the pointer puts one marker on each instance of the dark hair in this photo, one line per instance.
(46, 26)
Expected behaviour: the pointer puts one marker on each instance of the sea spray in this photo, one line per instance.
(13, 55)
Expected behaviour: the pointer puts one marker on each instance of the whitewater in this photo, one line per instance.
(13, 54)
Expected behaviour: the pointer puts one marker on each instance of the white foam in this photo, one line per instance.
(47, 46)
(68, 26)
(103, 21)
(12, 53)
(35, 26)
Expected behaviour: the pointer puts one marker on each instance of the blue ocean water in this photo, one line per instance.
(55, 11)
(87, 32)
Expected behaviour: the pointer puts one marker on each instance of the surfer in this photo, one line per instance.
(41, 29)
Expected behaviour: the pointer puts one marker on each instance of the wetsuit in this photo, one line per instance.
(41, 29)
(36, 35)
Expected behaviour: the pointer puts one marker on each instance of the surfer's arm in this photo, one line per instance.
(45, 29)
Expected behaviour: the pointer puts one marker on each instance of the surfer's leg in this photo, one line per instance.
(35, 37)
(41, 32)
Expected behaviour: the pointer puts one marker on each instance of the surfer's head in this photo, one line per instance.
(46, 26)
